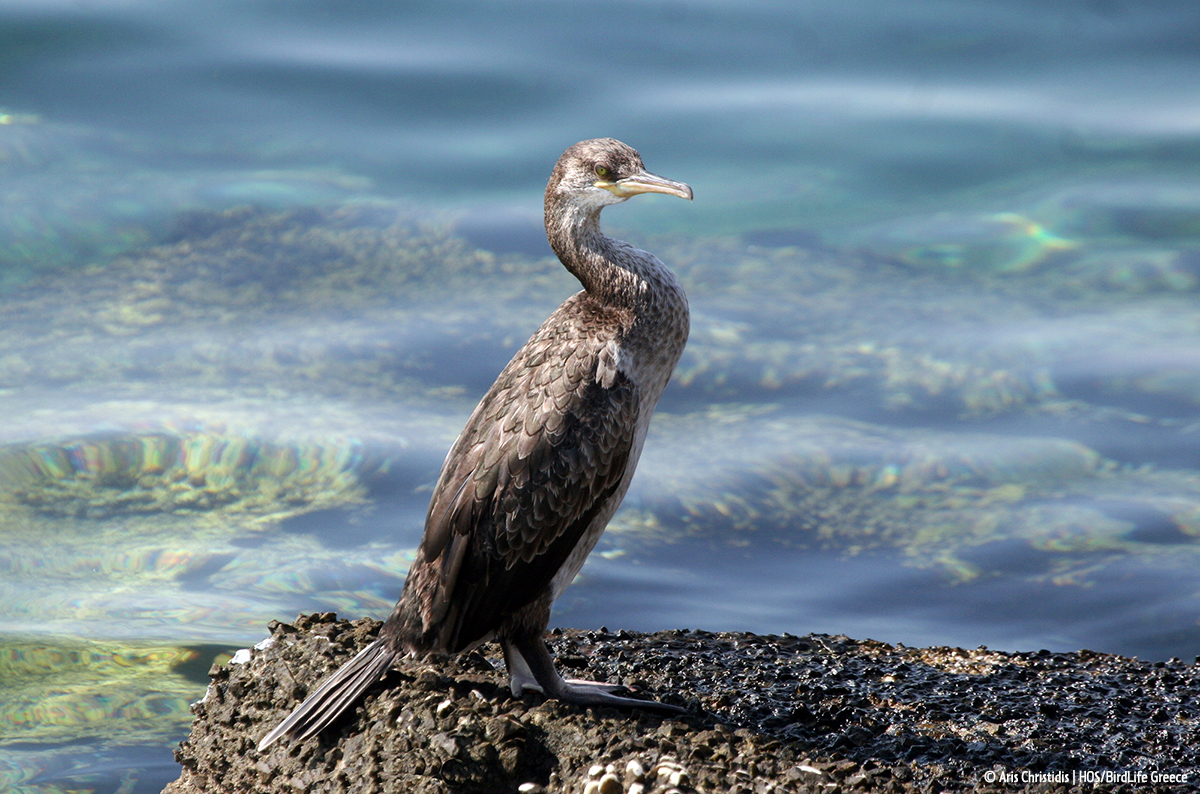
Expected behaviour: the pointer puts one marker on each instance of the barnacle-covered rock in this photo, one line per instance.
(806, 714)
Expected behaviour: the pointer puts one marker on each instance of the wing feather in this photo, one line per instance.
(542, 456)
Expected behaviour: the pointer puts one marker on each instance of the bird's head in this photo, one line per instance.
(592, 174)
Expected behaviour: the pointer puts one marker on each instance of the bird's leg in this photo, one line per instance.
(520, 677)
(530, 667)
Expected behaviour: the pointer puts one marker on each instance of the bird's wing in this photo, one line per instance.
(542, 455)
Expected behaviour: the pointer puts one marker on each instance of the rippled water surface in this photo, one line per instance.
(259, 260)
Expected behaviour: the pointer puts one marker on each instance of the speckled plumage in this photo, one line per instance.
(546, 457)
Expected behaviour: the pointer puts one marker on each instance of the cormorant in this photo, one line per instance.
(544, 460)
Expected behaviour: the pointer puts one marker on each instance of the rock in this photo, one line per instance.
(796, 714)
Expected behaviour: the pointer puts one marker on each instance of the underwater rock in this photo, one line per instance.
(1136, 270)
(351, 300)
(71, 689)
(765, 713)
(1161, 211)
(978, 244)
(759, 476)
(104, 475)
(135, 534)
(373, 301)
(74, 197)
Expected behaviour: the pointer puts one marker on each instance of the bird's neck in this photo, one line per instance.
(610, 270)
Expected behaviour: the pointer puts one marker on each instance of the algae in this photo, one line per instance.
(64, 689)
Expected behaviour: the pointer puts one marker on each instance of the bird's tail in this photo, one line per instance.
(339, 692)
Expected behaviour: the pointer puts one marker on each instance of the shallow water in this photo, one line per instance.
(259, 261)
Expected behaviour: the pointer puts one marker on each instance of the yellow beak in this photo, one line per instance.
(645, 182)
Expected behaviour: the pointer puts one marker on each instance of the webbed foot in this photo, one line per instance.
(530, 667)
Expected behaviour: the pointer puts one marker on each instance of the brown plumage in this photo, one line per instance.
(544, 460)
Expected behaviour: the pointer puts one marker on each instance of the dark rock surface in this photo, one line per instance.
(765, 713)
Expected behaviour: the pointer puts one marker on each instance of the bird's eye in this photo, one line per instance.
(603, 171)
